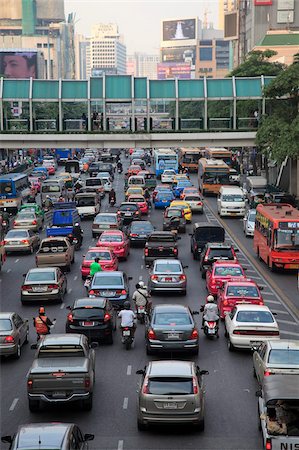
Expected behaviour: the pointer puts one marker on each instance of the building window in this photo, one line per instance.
(205, 42)
(206, 54)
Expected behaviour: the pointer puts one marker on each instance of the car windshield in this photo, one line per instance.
(168, 267)
(287, 239)
(284, 356)
(165, 196)
(25, 216)
(228, 271)
(17, 234)
(41, 276)
(221, 253)
(113, 280)
(111, 238)
(141, 226)
(93, 182)
(174, 213)
(192, 198)
(170, 386)
(5, 325)
(254, 316)
(242, 291)
(172, 319)
(105, 219)
(232, 198)
(51, 188)
(88, 312)
(103, 256)
(251, 216)
(136, 199)
(85, 201)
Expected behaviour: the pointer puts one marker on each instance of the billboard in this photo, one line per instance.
(176, 30)
(173, 70)
(231, 25)
(18, 64)
(179, 55)
(262, 2)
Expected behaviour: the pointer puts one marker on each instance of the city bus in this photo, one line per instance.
(219, 153)
(212, 174)
(165, 158)
(14, 189)
(189, 157)
(276, 235)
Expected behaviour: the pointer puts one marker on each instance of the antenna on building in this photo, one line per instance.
(205, 19)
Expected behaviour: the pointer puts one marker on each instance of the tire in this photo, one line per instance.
(33, 405)
(141, 426)
(128, 344)
(230, 346)
(17, 355)
(149, 351)
(203, 275)
(26, 338)
(184, 292)
(201, 425)
(68, 268)
(87, 404)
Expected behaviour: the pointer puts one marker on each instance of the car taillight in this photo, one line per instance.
(53, 286)
(9, 340)
(154, 277)
(123, 292)
(14, 222)
(267, 373)
(29, 383)
(87, 382)
(206, 258)
(136, 212)
(182, 277)
(261, 302)
(175, 250)
(268, 444)
(107, 317)
(225, 303)
(26, 287)
(194, 334)
(70, 317)
(118, 212)
(151, 334)
(25, 241)
(34, 222)
(92, 292)
(3, 242)
(133, 234)
(146, 252)
(145, 389)
(195, 386)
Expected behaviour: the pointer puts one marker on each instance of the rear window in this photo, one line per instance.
(41, 276)
(141, 226)
(254, 316)
(88, 313)
(93, 182)
(228, 271)
(168, 268)
(174, 213)
(54, 247)
(242, 291)
(162, 239)
(209, 234)
(51, 188)
(284, 356)
(5, 325)
(111, 238)
(128, 207)
(63, 351)
(85, 201)
(103, 256)
(220, 253)
(136, 199)
(170, 386)
(164, 196)
(172, 319)
(103, 280)
(17, 234)
(25, 216)
(105, 219)
(192, 198)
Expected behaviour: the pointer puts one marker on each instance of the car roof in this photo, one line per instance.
(226, 263)
(171, 308)
(140, 222)
(18, 229)
(108, 273)
(106, 214)
(41, 435)
(112, 232)
(245, 282)
(62, 339)
(167, 261)
(98, 249)
(42, 269)
(218, 245)
(6, 315)
(282, 344)
(97, 302)
(170, 368)
(280, 387)
(206, 225)
(249, 306)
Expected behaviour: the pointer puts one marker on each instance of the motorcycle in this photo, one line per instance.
(119, 170)
(127, 337)
(77, 243)
(5, 226)
(210, 327)
(141, 314)
(38, 336)
(87, 282)
(112, 202)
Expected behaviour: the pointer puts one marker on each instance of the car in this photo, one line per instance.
(134, 190)
(248, 325)
(249, 222)
(14, 332)
(35, 183)
(107, 259)
(161, 188)
(28, 219)
(189, 191)
(50, 167)
(33, 207)
(214, 251)
(93, 169)
(94, 317)
(106, 179)
(107, 167)
(117, 241)
(21, 240)
(167, 275)
(44, 284)
(141, 202)
(139, 231)
(234, 177)
(236, 291)
(54, 435)
(220, 272)
(138, 162)
(195, 202)
(186, 209)
(179, 186)
(128, 212)
(40, 172)
(133, 170)
(105, 221)
(168, 176)
(281, 197)
(163, 199)
(173, 215)
(111, 285)
(276, 357)
(179, 177)
(202, 233)
(171, 328)
(171, 392)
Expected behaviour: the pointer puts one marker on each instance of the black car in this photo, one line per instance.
(216, 251)
(93, 317)
(112, 285)
(93, 169)
(107, 167)
(174, 219)
(139, 231)
(202, 233)
(171, 328)
(128, 212)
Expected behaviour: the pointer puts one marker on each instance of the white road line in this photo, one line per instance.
(129, 370)
(255, 277)
(268, 293)
(13, 405)
(69, 290)
(291, 333)
(120, 445)
(17, 260)
(275, 302)
(125, 404)
(288, 322)
(75, 277)
(62, 305)
(278, 311)
(8, 270)
(141, 267)
(140, 277)
(249, 270)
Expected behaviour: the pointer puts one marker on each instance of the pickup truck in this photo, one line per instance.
(65, 215)
(63, 371)
(160, 244)
(55, 252)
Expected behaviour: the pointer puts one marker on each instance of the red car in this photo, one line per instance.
(235, 292)
(141, 202)
(108, 260)
(133, 170)
(220, 272)
(117, 241)
(50, 169)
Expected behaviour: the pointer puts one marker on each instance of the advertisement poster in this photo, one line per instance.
(263, 2)
(173, 70)
(18, 64)
(179, 55)
(175, 30)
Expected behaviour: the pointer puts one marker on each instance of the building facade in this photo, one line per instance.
(82, 57)
(143, 65)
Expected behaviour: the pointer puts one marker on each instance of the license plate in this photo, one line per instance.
(126, 333)
(167, 280)
(88, 324)
(211, 331)
(127, 214)
(294, 266)
(173, 336)
(108, 293)
(170, 405)
(58, 394)
(255, 342)
(105, 226)
(14, 242)
(142, 235)
(140, 309)
(39, 288)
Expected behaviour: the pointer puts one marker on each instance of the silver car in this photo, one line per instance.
(249, 222)
(171, 392)
(47, 283)
(105, 221)
(195, 202)
(168, 275)
(28, 220)
(21, 240)
(13, 334)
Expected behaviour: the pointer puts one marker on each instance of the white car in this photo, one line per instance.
(276, 357)
(248, 325)
(168, 176)
(249, 222)
(106, 181)
(195, 202)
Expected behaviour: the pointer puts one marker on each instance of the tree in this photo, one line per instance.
(258, 63)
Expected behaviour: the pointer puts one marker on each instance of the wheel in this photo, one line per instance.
(87, 404)
(128, 344)
(17, 355)
(94, 235)
(73, 260)
(33, 405)
(141, 426)
(230, 346)
(203, 275)
(149, 351)
(253, 372)
(201, 425)
(26, 338)
(109, 339)
(68, 268)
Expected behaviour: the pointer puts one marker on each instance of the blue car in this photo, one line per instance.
(40, 171)
(180, 186)
(163, 199)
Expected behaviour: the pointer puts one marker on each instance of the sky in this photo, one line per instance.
(139, 21)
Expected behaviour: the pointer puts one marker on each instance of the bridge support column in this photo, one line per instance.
(205, 118)
(176, 120)
(132, 105)
(60, 112)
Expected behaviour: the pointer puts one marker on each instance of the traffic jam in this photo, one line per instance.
(163, 280)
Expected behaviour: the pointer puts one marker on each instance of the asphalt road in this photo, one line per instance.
(231, 406)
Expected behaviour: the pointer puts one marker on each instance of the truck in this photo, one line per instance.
(64, 217)
(63, 371)
(55, 252)
(160, 244)
(63, 154)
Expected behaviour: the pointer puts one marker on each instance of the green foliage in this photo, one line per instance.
(257, 63)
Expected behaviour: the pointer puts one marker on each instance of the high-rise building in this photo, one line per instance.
(107, 50)
(143, 65)
(40, 25)
(82, 57)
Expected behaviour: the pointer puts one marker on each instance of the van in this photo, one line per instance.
(106, 181)
(256, 184)
(136, 180)
(231, 201)
(87, 204)
(202, 233)
(54, 188)
(96, 185)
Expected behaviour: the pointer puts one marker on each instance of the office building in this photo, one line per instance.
(82, 57)
(143, 65)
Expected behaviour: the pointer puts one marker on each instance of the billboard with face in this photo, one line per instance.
(173, 70)
(179, 55)
(18, 64)
(175, 30)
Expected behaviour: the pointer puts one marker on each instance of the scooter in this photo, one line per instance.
(77, 243)
(120, 170)
(5, 226)
(112, 202)
(141, 314)
(127, 337)
(210, 327)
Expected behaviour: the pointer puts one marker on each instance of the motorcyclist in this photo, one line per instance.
(61, 199)
(48, 202)
(42, 323)
(95, 267)
(210, 311)
(147, 159)
(119, 166)
(141, 296)
(112, 196)
(147, 197)
(78, 185)
(78, 233)
(128, 318)
(5, 220)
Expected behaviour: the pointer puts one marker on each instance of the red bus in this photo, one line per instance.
(276, 235)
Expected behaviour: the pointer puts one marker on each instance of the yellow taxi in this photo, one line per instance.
(67, 178)
(187, 209)
(134, 190)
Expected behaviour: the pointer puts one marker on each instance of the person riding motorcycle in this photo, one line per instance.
(128, 318)
(42, 323)
(210, 311)
(119, 166)
(147, 197)
(78, 233)
(112, 196)
(5, 220)
(141, 296)
(48, 202)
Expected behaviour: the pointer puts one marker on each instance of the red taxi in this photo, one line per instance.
(107, 259)
(189, 191)
(117, 241)
(141, 202)
(133, 170)
(220, 272)
(235, 292)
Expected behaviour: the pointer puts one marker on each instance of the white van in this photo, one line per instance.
(136, 180)
(231, 201)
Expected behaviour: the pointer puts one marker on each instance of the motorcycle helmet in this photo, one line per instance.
(210, 299)
(41, 310)
(141, 284)
(76, 224)
(127, 305)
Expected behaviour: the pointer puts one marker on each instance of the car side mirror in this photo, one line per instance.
(204, 372)
(190, 234)
(258, 393)
(68, 307)
(33, 346)
(195, 313)
(261, 288)
(254, 348)
(130, 278)
(236, 250)
(24, 274)
(245, 268)
(179, 238)
(185, 267)
(274, 313)
(140, 372)
(88, 437)
(6, 439)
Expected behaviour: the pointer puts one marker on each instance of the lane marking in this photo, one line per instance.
(140, 277)
(120, 445)
(125, 404)
(291, 333)
(129, 370)
(141, 267)
(75, 277)
(288, 322)
(269, 293)
(276, 302)
(8, 270)
(69, 290)
(13, 405)
(62, 305)
(17, 260)
(277, 311)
